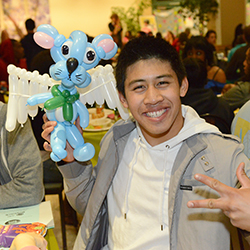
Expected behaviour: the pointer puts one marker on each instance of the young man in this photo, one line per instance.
(136, 196)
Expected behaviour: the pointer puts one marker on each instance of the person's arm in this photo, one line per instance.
(237, 96)
(220, 76)
(23, 186)
(25, 241)
(235, 203)
(79, 176)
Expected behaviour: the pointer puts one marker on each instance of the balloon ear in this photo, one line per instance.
(105, 43)
(44, 40)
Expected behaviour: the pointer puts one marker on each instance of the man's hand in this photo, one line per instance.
(28, 239)
(235, 203)
(48, 127)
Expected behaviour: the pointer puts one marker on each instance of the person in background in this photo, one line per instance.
(211, 37)
(204, 100)
(240, 42)
(136, 196)
(198, 47)
(233, 202)
(237, 94)
(158, 35)
(11, 52)
(237, 33)
(29, 241)
(180, 42)
(188, 32)
(31, 48)
(115, 28)
(128, 36)
(147, 27)
(21, 171)
(235, 68)
(170, 37)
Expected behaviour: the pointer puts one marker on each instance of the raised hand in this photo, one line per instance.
(235, 203)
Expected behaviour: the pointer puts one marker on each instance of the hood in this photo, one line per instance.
(193, 124)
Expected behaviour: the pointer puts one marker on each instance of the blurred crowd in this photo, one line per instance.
(219, 79)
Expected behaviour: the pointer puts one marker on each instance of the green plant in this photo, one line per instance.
(199, 10)
(130, 17)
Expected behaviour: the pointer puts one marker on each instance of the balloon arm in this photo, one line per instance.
(39, 98)
(83, 114)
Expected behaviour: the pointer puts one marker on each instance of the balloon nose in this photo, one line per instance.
(72, 64)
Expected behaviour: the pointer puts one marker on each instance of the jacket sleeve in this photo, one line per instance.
(79, 179)
(23, 163)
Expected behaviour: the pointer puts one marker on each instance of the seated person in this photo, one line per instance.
(136, 195)
(11, 52)
(235, 68)
(201, 99)
(21, 172)
(198, 47)
(239, 93)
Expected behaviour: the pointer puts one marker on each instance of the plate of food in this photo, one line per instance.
(100, 119)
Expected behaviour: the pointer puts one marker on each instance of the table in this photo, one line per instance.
(94, 137)
(52, 242)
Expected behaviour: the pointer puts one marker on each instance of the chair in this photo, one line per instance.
(57, 188)
(217, 121)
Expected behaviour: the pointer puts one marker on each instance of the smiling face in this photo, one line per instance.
(153, 95)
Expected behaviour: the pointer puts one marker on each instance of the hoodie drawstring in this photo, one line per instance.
(131, 170)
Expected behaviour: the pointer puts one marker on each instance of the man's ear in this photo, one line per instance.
(123, 100)
(184, 87)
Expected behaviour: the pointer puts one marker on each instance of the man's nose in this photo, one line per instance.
(153, 95)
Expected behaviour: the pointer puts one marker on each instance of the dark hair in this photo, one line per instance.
(196, 72)
(143, 48)
(247, 33)
(158, 35)
(114, 15)
(200, 42)
(210, 32)
(237, 32)
(30, 24)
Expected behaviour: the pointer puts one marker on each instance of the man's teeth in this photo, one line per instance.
(156, 113)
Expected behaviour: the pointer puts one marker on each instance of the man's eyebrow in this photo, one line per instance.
(157, 77)
(166, 75)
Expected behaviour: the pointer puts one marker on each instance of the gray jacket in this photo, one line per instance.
(21, 172)
(215, 155)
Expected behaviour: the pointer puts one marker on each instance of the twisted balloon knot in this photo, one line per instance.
(62, 99)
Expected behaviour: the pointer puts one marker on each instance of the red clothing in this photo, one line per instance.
(7, 57)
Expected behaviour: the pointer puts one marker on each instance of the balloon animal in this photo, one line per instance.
(74, 58)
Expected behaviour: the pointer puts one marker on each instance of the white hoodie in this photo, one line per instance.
(138, 197)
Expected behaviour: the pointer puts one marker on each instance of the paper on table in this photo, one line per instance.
(38, 213)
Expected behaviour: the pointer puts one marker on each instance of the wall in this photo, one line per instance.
(232, 12)
(90, 16)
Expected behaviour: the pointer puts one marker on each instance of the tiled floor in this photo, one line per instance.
(71, 231)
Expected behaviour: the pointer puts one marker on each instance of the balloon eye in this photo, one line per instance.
(65, 50)
(90, 56)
